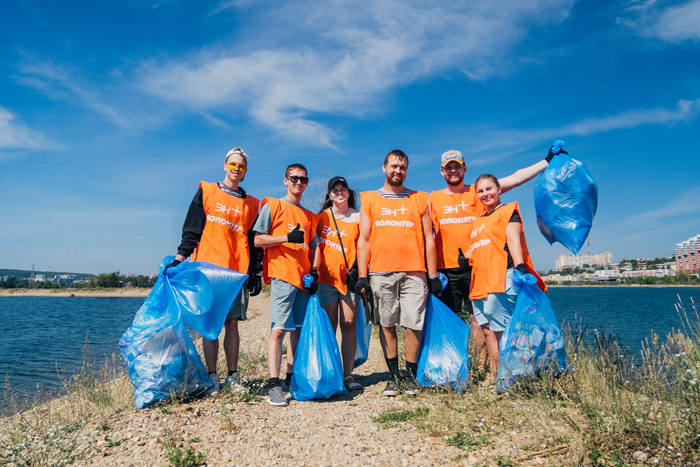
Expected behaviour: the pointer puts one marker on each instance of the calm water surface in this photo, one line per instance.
(42, 334)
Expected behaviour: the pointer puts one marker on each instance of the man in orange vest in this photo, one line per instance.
(283, 228)
(453, 211)
(396, 248)
(218, 229)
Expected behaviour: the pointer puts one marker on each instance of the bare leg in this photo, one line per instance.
(293, 341)
(274, 352)
(211, 354)
(348, 331)
(387, 337)
(492, 340)
(413, 342)
(332, 312)
(231, 343)
(479, 341)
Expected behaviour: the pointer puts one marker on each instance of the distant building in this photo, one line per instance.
(573, 261)
(687, 256)
(40, 278)
(648, 273)
(65, 278)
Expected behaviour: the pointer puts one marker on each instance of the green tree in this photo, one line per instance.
(107, 280)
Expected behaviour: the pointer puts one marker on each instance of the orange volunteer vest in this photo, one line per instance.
(289, 262)
(490, 260)
(332, 270)
(396, 240)
(452, 217)
(224, 239)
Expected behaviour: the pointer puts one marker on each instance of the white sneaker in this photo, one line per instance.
(214, 390)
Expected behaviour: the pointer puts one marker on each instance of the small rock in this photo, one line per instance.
(407, 447)
(141, 443)
(640, 456)
(287, 455)
(228, 406)
(295, 452)
(89, 425)
(226, 456)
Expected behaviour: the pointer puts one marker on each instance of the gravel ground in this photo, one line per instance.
(337, 431)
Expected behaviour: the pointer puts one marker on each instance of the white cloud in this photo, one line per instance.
(15, 135)
(509, 142)
(61, 83)
(672, 24)
(337, 57)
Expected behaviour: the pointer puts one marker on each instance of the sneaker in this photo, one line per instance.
(286, 388)
(392, 387)
(232, 382)
(276, 397)
(410, 385)
(214, 390)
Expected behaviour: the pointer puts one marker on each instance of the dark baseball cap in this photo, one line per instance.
(335, 180)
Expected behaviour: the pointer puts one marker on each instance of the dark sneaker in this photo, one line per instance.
(392, 388)
(214, 390)
(410, 385)
(276, 397)
(232, 383)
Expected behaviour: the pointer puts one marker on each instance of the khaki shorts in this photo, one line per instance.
(400, 299)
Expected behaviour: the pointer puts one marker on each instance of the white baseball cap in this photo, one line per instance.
(237, 151)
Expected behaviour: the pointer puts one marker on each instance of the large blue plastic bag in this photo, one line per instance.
(566, 199)
(205, 293)
(533, 341)
(158, 352)
(318, 369)
(444, 358)
(363, 333)
(157, 349)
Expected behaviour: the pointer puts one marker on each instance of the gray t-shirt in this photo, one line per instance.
(264, 222)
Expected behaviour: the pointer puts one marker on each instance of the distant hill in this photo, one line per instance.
(27, 274)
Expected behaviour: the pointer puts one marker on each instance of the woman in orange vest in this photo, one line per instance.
(338, 231)
(497, 248)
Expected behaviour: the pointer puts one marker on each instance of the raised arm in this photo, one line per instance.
(521, 176)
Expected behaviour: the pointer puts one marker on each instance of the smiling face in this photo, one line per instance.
(296, 188)
(454, 172)
(488, 192)
(395, 170)
(339, 194)
(236, 174)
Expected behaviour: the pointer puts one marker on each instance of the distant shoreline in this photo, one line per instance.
(121, 292)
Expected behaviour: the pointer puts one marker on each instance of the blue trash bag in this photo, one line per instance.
(533, 341)
(363, 332)
(157, 349)
(318, 369)
(444, 358)
(566, 199)
(205, 293)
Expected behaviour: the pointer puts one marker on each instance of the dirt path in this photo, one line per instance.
(338, 431)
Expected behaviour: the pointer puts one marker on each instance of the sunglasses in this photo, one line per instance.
(295, 179)
(233, 166)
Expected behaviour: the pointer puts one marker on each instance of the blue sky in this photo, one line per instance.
(112, 112)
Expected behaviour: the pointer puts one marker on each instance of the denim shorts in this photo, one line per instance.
(328, 294)
(496, 309)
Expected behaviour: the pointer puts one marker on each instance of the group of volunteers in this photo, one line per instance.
(389, 249)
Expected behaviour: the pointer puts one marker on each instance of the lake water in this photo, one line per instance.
(40, 335)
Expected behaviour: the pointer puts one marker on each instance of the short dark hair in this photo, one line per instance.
(397, 153)
(291, 167)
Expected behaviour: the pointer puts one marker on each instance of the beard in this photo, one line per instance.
(454, 181)
(395, 181)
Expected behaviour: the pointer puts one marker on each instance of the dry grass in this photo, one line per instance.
(610, 409)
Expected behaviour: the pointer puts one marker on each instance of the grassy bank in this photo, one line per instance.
(610, 409)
